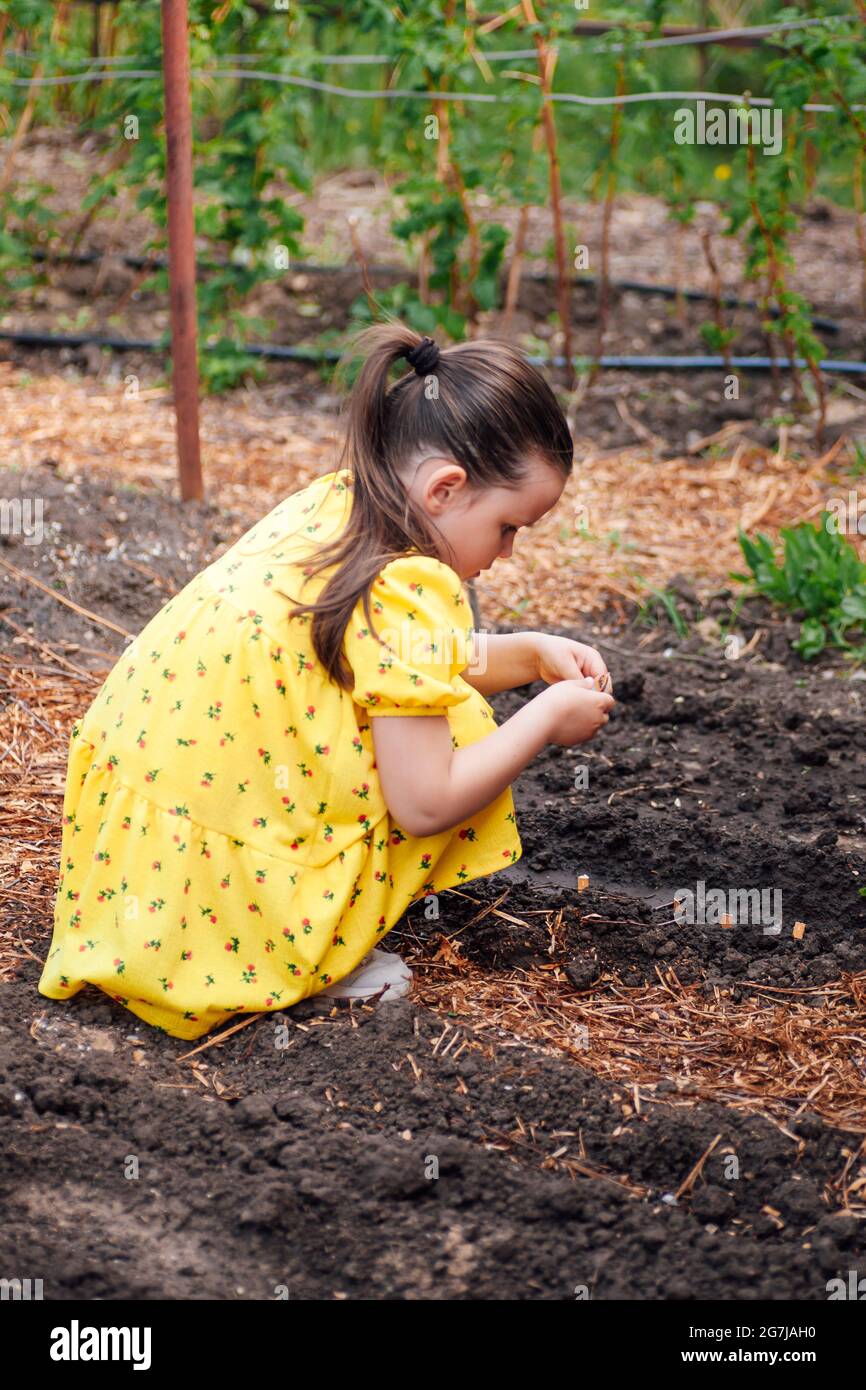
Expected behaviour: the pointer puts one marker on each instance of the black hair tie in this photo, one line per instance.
(423, 357)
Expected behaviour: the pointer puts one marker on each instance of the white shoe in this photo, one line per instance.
(380, 972)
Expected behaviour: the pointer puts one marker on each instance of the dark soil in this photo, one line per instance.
(118, 551)
(302, 1154)
(309, 1172)
(741, 776)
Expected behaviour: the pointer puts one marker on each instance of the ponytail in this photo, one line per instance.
(489, 411)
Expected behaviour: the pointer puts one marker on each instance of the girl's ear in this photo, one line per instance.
(443, 481)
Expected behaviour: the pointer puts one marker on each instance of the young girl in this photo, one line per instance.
(298, 745)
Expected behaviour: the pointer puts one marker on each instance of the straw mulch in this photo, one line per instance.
(627, 520)
(36, 713)
(255, 448)
(780, 1053)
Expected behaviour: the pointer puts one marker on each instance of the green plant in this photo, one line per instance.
(857, 468)
(222, 364)
(820, 574)
(665, 600)
(717, 339)
(450, 161)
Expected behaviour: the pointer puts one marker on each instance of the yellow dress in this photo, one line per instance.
(226, 846)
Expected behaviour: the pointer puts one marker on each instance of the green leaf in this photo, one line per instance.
(812, 639)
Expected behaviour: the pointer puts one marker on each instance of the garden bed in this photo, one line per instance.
(583, 1070)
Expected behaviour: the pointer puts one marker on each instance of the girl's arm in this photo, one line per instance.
(429, 786)
(502, 661)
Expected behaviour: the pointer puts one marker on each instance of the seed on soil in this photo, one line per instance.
(799, 931)
(582, 882)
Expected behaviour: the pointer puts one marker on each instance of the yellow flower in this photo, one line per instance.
(723, 171)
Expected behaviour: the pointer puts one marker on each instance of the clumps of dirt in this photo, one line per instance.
(714, 774)
(120, 552)
(314, 1157)
(601, 932)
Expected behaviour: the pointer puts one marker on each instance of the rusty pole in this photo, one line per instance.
(181, 243)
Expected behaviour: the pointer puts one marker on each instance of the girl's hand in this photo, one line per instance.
(577, 712)
(561, 659)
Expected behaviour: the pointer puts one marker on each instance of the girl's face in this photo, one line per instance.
(480, 525)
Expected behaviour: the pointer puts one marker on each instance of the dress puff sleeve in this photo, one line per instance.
(422, 640)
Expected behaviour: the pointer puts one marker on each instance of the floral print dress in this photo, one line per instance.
(226, 847)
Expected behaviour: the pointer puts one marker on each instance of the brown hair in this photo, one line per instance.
(492, 412)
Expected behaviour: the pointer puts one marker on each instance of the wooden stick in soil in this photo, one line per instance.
(515, 268)
(715, 280)
(43, 647)
(61, 598)
(858, 223)
(448, 172)
(688, 1183)
(679, 297)
(810, 149)
(445, 173)
(357, 248)
(30, 104)
(115, 162)
(837, 92)
(607, 217)
(702, 54)
(221, 1037)
(466, 301)
(776, 275)
(811, 363)
(441, 112)
(424, 269)
(112, 31)
(765, 301)
(181, 243)
(424, 263)
(95, 53)
(546, 64)
(780, 289)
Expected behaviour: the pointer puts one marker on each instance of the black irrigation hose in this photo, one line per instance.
(700, 363)
(277, 352)
(729, 300)
(545, 276)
